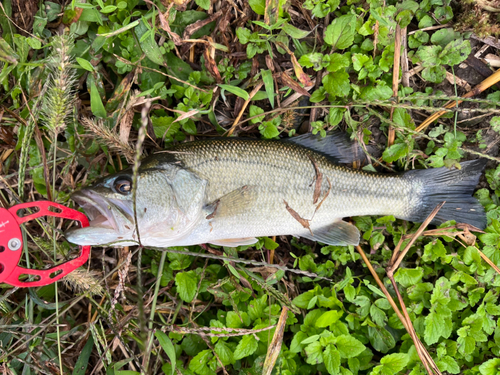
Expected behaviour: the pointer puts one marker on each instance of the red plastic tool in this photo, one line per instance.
(11, 244)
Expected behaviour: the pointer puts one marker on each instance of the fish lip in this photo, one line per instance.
(94, 206)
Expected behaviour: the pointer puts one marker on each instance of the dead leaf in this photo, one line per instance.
(288, 81)
(319, 180)
(126, 125)
(296, 216)
(164, 20)
(301, 76)
(210, 63)
(186, 115)
(274, 348)
(191, 29)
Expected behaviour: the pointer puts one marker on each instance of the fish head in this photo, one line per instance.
(168, 204)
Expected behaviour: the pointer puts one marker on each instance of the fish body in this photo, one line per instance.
(230, 191)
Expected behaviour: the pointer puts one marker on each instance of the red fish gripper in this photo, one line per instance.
(11, 244)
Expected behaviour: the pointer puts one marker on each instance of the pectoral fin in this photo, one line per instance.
(231, 204)
(339, 233)
(235, 242)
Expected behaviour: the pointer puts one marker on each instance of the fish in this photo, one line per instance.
(230, 191)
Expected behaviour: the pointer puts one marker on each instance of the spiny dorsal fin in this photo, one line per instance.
(339, 233)
(336, 145)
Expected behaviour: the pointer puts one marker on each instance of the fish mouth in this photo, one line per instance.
(106, 213)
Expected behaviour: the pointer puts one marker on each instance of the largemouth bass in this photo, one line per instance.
(230, 191)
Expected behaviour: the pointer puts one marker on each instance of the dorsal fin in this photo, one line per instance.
(335, 145)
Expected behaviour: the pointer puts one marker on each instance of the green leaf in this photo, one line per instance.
(409, 276)
(455, 52)
(267, 78)
(434, 74)
(381, 339)
(254, 111)
(338, 61)
(258, 6)
(204, 4)
(269, 130)
(96, 105)
(148, 45)
(243, 34)
(83, 359)
(314, 353)
(337, 83)
(340, 33)
(247, 346)
(328, 318)
(294, 32)
(331, 357)
(187, 285)
(433, 251)
(224, 352)
(236, 91)
(199, 364)
(167, 347)
(394, 363)
(490, 367)
(296, 346)
(348, 346)
(164, 127)
(395, 152)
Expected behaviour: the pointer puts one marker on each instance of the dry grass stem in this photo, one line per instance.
(108, 137)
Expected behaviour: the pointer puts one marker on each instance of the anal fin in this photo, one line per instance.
(235, 242)
(339, 233)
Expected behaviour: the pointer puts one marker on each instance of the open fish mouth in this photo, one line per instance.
(103, 212)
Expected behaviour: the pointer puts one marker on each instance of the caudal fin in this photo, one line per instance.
(454, 186)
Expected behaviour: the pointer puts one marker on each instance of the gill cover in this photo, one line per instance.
(171, 217)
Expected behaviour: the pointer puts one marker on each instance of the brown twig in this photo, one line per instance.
(235, 123)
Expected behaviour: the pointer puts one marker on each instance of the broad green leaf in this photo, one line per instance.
(455, 52)
(433, 251)
(164, 127)
(294, 32)
(269, 130)
(148, 45)
(96, 105)
(267, 78)
(247, 346)
(204, 4)
(490, 367)
(340, 33)
(167, 347)
(199, 364)
(187, 285)
(395, 152)
(328, 318)
(381, 339)
(314, 353)
(348, 346)
(224, 352)
(443, 37)
(235, 90)
(338, 61)
(296, 346)
(331, 357)
(337, 83)
(394, 363)
(258, 6)
(409, 276)
(83, 359)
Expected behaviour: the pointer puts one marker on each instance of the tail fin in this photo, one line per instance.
(453, 186)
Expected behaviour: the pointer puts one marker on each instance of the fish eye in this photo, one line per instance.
(123, 186)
